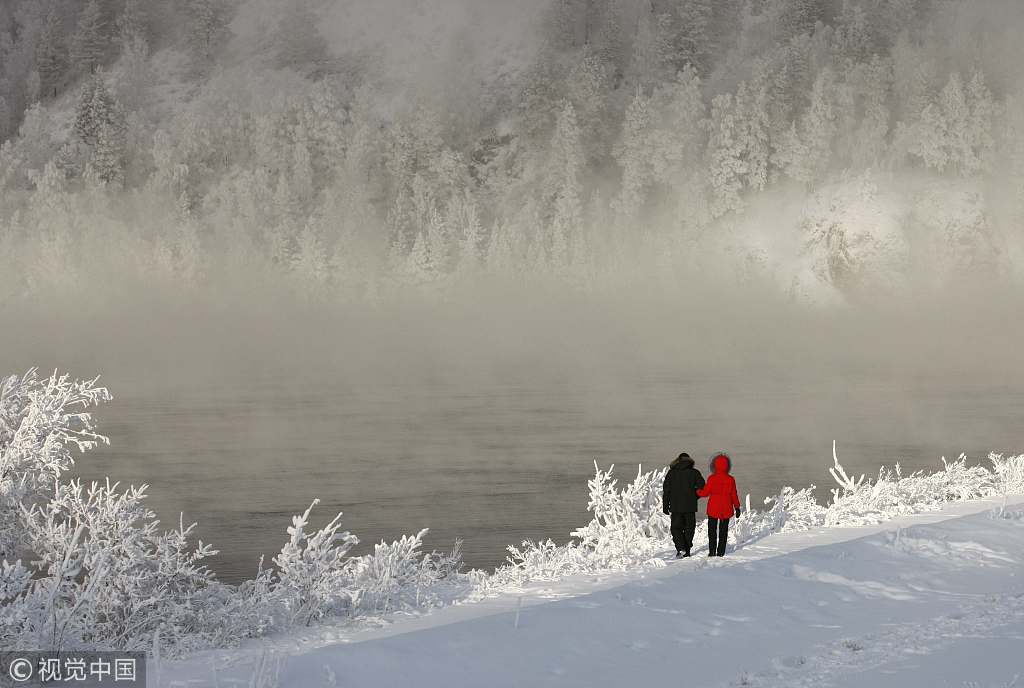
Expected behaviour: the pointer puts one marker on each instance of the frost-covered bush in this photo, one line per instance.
(105, 577)
(41, 421)
(312, 578)
(861, 502)
(626, 522)
(399, 577)
(1009, 473)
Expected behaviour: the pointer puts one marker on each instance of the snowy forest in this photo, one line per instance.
(832, 150)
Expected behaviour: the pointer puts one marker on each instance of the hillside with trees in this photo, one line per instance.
(831, 149)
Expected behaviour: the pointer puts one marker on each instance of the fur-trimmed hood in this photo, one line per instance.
(728, 462)
(682, 462)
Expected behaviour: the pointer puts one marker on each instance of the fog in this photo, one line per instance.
(481, 418)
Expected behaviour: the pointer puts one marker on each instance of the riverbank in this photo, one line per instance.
(886, 602)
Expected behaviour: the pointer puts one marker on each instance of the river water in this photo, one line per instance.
(495, 462)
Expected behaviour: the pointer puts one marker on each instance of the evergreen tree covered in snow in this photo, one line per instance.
(564, 172)
(51, 55)
(298, 39)
(89, 43)
(634, 156)
(206, 28)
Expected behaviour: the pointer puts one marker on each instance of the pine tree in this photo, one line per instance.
(96, 107)
(677, 144)
(51, 55)
(466, 221)
(89, 43)
(868, 142)
(818, 125)
(107, 161)
(853, 41)
(206, 28)
(913, 77)
(645, 61)
(588, 90)
(752, 112)
(726, 166)
(298, 39)
(420, 265)
(634, 157)
(608, 41)
(311, 260)
(797, 17)
(691, 40)
(131, 25)
(979, 125)
(567, 210)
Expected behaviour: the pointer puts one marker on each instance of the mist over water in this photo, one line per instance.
(481, 417)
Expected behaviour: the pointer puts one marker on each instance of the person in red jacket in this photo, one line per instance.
(723, 502)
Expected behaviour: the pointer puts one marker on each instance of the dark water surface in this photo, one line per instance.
(494, 463)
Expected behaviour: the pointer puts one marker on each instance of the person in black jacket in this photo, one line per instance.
(679, 498)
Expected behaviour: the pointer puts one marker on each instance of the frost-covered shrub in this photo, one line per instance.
(1009, 473)
(313, 579)
(626, 523)
(399, 577)
(41, 420)
(105, 576)
(862, 502)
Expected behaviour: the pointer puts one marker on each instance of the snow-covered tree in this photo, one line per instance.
(691, 40)
(725, 162)
(634, 156)
(107, 162)
(96, 106)
(51, 55)
(89, 42)
(566, 162)
(805, 151)
(587, 89)
(796, 17)
(464, 220)
(754, 135)
(131, 24)
(206, 28)
(955, 131)
(678, 143)
(298, 40)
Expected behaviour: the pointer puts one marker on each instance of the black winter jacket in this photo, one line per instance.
(679, 492)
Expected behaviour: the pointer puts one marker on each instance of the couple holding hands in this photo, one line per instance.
(684, 485)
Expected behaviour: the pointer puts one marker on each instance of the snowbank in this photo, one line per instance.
(885, 604)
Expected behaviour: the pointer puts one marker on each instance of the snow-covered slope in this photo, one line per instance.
(902, 603)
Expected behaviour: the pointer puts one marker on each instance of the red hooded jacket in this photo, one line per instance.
(720, 489)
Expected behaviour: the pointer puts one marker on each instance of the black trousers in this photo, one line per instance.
(683, 525)
(718, 534)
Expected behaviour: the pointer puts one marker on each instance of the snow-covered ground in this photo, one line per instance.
(930, 599)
